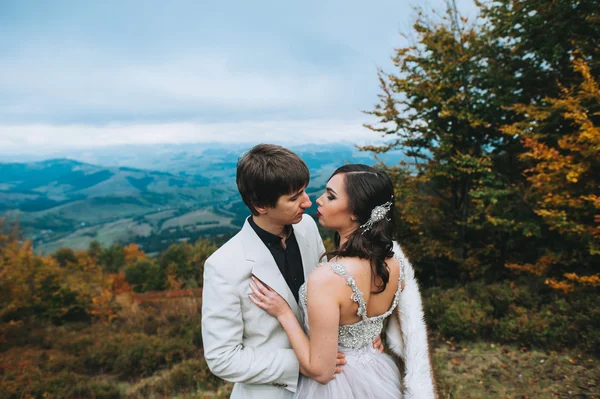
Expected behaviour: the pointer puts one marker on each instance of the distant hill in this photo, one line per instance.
(62, 202)
(153, 195)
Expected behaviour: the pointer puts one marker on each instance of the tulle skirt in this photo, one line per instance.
(368, 374)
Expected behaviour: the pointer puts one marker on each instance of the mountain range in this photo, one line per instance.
(151, 195)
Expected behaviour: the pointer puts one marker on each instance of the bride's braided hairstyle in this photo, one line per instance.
(368, 188)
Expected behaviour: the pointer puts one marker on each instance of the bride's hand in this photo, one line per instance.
(267, 299)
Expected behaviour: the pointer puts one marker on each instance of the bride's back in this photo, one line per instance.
(377, 302)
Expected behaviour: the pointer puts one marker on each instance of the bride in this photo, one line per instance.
(346, 302)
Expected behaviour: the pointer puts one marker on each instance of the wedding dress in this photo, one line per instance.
(370, 374)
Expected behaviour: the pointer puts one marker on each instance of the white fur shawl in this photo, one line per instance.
(407, 337)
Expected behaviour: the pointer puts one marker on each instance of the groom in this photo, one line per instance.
(278, 244)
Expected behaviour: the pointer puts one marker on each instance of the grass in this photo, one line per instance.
(488, 370)
(477, 370)
(190, 377)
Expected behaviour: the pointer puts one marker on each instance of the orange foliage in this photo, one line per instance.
(104, 307)
(133, 253)
(560, 285)
(36, 286)
(563, 176)
(539, 268)
(119, 284)
(172, 281)
(593, 281)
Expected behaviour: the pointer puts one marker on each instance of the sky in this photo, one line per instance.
(77, 74)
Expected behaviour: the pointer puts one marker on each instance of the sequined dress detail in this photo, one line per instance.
(368, 373)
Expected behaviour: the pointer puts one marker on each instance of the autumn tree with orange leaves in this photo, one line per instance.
(564, 179)
(498, 118)
(69, 285)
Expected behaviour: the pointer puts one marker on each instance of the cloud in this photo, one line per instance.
(44, 138)
(95, 87)
(78, 73)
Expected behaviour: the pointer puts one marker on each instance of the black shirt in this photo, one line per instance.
(288, 259)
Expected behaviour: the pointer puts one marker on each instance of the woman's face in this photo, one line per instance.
(333, 211)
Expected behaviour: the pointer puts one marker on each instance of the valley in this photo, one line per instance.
(153, 196)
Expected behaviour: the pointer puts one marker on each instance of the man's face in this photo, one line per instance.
(289, 208)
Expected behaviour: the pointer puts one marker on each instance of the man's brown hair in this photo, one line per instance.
(267, 172)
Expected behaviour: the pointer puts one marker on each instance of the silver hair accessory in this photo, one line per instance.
(378, 213)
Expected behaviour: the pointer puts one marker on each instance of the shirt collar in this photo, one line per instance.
(268, 237)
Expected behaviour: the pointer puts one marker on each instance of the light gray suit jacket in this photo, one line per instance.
(242, 343)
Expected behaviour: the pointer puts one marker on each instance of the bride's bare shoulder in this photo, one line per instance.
(351, 264)
(325, 275)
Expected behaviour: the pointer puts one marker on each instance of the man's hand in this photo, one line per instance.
(377, 344)
(340, 361)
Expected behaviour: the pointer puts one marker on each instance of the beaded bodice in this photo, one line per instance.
(363, 332)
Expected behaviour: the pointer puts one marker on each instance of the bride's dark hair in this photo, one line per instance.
(367, 188)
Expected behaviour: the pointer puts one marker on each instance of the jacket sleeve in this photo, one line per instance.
(222, 332)
(406, 336)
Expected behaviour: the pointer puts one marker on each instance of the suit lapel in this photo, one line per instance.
(264, 266)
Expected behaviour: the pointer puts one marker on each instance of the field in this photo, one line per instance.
(107, 233)
(199, 218)
(163, 222)
(155, 219)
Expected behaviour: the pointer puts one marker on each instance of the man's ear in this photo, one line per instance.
(262, 210)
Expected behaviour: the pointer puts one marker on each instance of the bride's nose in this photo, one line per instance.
(319, 201)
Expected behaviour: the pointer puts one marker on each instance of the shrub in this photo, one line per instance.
(456, 315)
(146, 275)
(137, 354)
(186, 327)
(112, 259)
(189, 376)
(526, 313)
(27, 378)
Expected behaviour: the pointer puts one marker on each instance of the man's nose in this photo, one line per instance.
(306, 203)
